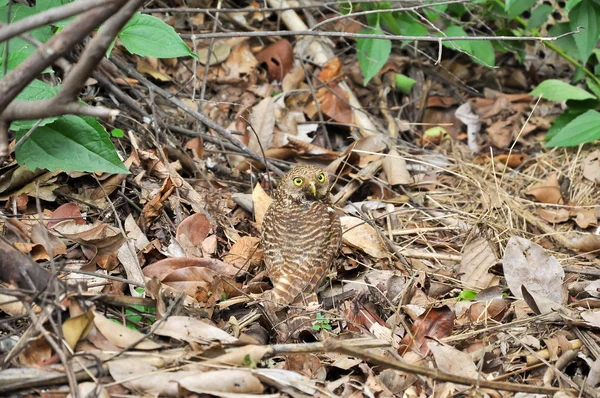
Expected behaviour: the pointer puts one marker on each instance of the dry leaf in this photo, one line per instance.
(76, 328)
(478, 257)
(360, 234)
(261, 202)
(196, 227)
(547, 191)
(218, 53)
(107, 239)
(527, 264)
(245, 253)
(554, 216)
(279, 58)
(436, 323)
(120, 335)
(591, 166)
(191, 329)
(66, 211)
(395, 169)
(453, 361)
(223, 381)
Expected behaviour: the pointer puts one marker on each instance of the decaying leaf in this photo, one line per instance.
(527, 263)
(453, 361)
(245, 253)
(76, 328)
(395, 169)
(435, 323)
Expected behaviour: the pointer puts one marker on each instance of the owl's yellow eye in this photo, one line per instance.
(298, 181)
(321, 177)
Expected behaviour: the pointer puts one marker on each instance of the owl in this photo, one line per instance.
(301, 235)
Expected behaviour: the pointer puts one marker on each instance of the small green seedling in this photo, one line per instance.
(321, 323)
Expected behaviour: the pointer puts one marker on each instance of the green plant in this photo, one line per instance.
(508, 18)
(75, 143)
(466, 295)
(321, 323)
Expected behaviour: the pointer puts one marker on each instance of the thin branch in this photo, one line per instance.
(95, 50)
(225, 133)
(286, 33)
(389, 363)
(27, 110)
(48, 17)
(14, 82)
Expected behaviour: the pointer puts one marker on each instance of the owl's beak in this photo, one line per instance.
(313, 188)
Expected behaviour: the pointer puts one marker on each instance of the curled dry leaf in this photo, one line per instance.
(261, 202)
(481, 311)
(547, 191)
(591, 166)
(584, 217)
(76, 328)
(478, 257)
(395, 169)
(363, 236)
(436, 323)
(527, 263)
(279, 58)
(105, 238)
(193, 330)
(583, 242)
(120, 335)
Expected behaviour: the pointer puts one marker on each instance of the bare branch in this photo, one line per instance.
(95, 51)
(28, 110)
(44, 18)
(286, 33)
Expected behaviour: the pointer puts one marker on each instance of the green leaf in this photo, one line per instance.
(70, 143)
(560, 122)
(557, 90)
(466, 295)
(593, 86)
(457, 31)
(539, 16)
(483, 53)
(516, 7)
(19, 49)
(404, 83)
(48, 4)
(3, 2)
(36, 90)
(117, 133)
(570, 4)
(372, 53)
(585, 14)
(146, 35)
(584, 128)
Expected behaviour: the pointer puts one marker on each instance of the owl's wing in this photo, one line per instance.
(312, 246)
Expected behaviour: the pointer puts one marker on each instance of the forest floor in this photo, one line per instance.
(470, 251)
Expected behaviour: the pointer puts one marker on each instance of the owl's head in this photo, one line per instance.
(305, 182)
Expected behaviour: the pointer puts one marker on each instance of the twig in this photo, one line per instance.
(333, 345)
(227, 134)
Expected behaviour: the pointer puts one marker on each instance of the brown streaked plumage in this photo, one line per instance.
(301, 235)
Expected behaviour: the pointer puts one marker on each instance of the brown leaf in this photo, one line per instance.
(436, 323)
(547, 191)
(554, 216)
(223, 381)
(196, 227)
(105, 238)
(196, 146)
(333, 102)
(240, 65)
(279, 58)
(262, 119)
(261, 202)
(76, 328)
(478, 257)
(395, 169)
(481, 311)
(585, 217)
(153, 208)
(245, 253)
(68, 211)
